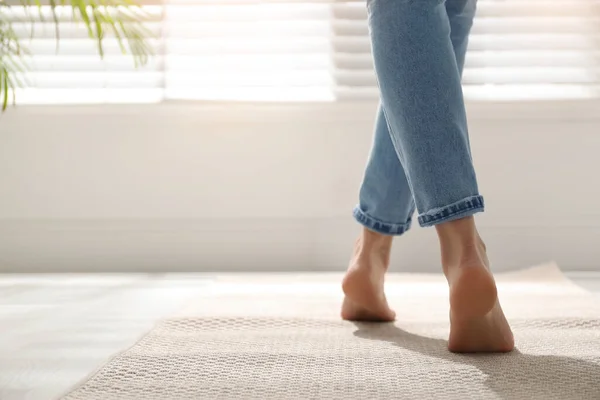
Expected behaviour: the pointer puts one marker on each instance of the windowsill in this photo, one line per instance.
(575, 110)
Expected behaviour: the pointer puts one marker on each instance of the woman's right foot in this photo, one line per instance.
(364, 281)
(477, 322)
(489, 333)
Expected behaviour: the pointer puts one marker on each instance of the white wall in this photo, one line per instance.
(271, 187)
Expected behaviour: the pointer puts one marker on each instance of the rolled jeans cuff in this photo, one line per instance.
(461, 209)
(378, 226)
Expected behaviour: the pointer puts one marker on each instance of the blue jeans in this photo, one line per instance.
(421, 155)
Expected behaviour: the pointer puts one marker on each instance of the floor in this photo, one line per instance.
(57, 329)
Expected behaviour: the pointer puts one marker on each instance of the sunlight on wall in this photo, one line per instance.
(267, 52)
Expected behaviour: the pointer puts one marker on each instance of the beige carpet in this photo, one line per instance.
(279, 337)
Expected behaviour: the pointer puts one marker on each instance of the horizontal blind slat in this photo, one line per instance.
(533, 25)
(67, 30)
(92, 79)
(493, 42)
(240, 13)
(269, 94)
(482, 76)
(530, 92)
(505, 8)
(480, 59)
(66, 14)
(77, 47)
(89, 63)
(88, 95)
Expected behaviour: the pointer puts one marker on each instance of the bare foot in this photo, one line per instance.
(473, 290)
(477, 322)
(353, 312)
(487, 334)
(363, 284)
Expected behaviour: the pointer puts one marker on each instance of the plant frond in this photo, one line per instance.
(123, 18)
(11, 61)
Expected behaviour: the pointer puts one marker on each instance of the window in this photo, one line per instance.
(286, 50)
(71, 72)
(262, 51)
(534, 49)
(518, 50)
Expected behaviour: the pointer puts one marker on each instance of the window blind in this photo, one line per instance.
(519, 50)
(71, 71)
(303, 50)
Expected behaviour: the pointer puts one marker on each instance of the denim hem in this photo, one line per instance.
(461, 209)
(380, 226)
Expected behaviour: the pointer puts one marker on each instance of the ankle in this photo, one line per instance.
(460, 243)
(372, 244)
(461, 232)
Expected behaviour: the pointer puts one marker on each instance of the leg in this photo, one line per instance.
(386, 202)
(385, 209)
(463, 252)
(423, 103)
(386, 206)
(426, 115)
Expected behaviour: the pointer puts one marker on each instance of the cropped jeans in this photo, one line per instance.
(421, 156)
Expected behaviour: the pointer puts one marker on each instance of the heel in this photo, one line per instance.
(473, 294)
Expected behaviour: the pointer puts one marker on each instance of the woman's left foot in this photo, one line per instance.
(353, 312)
